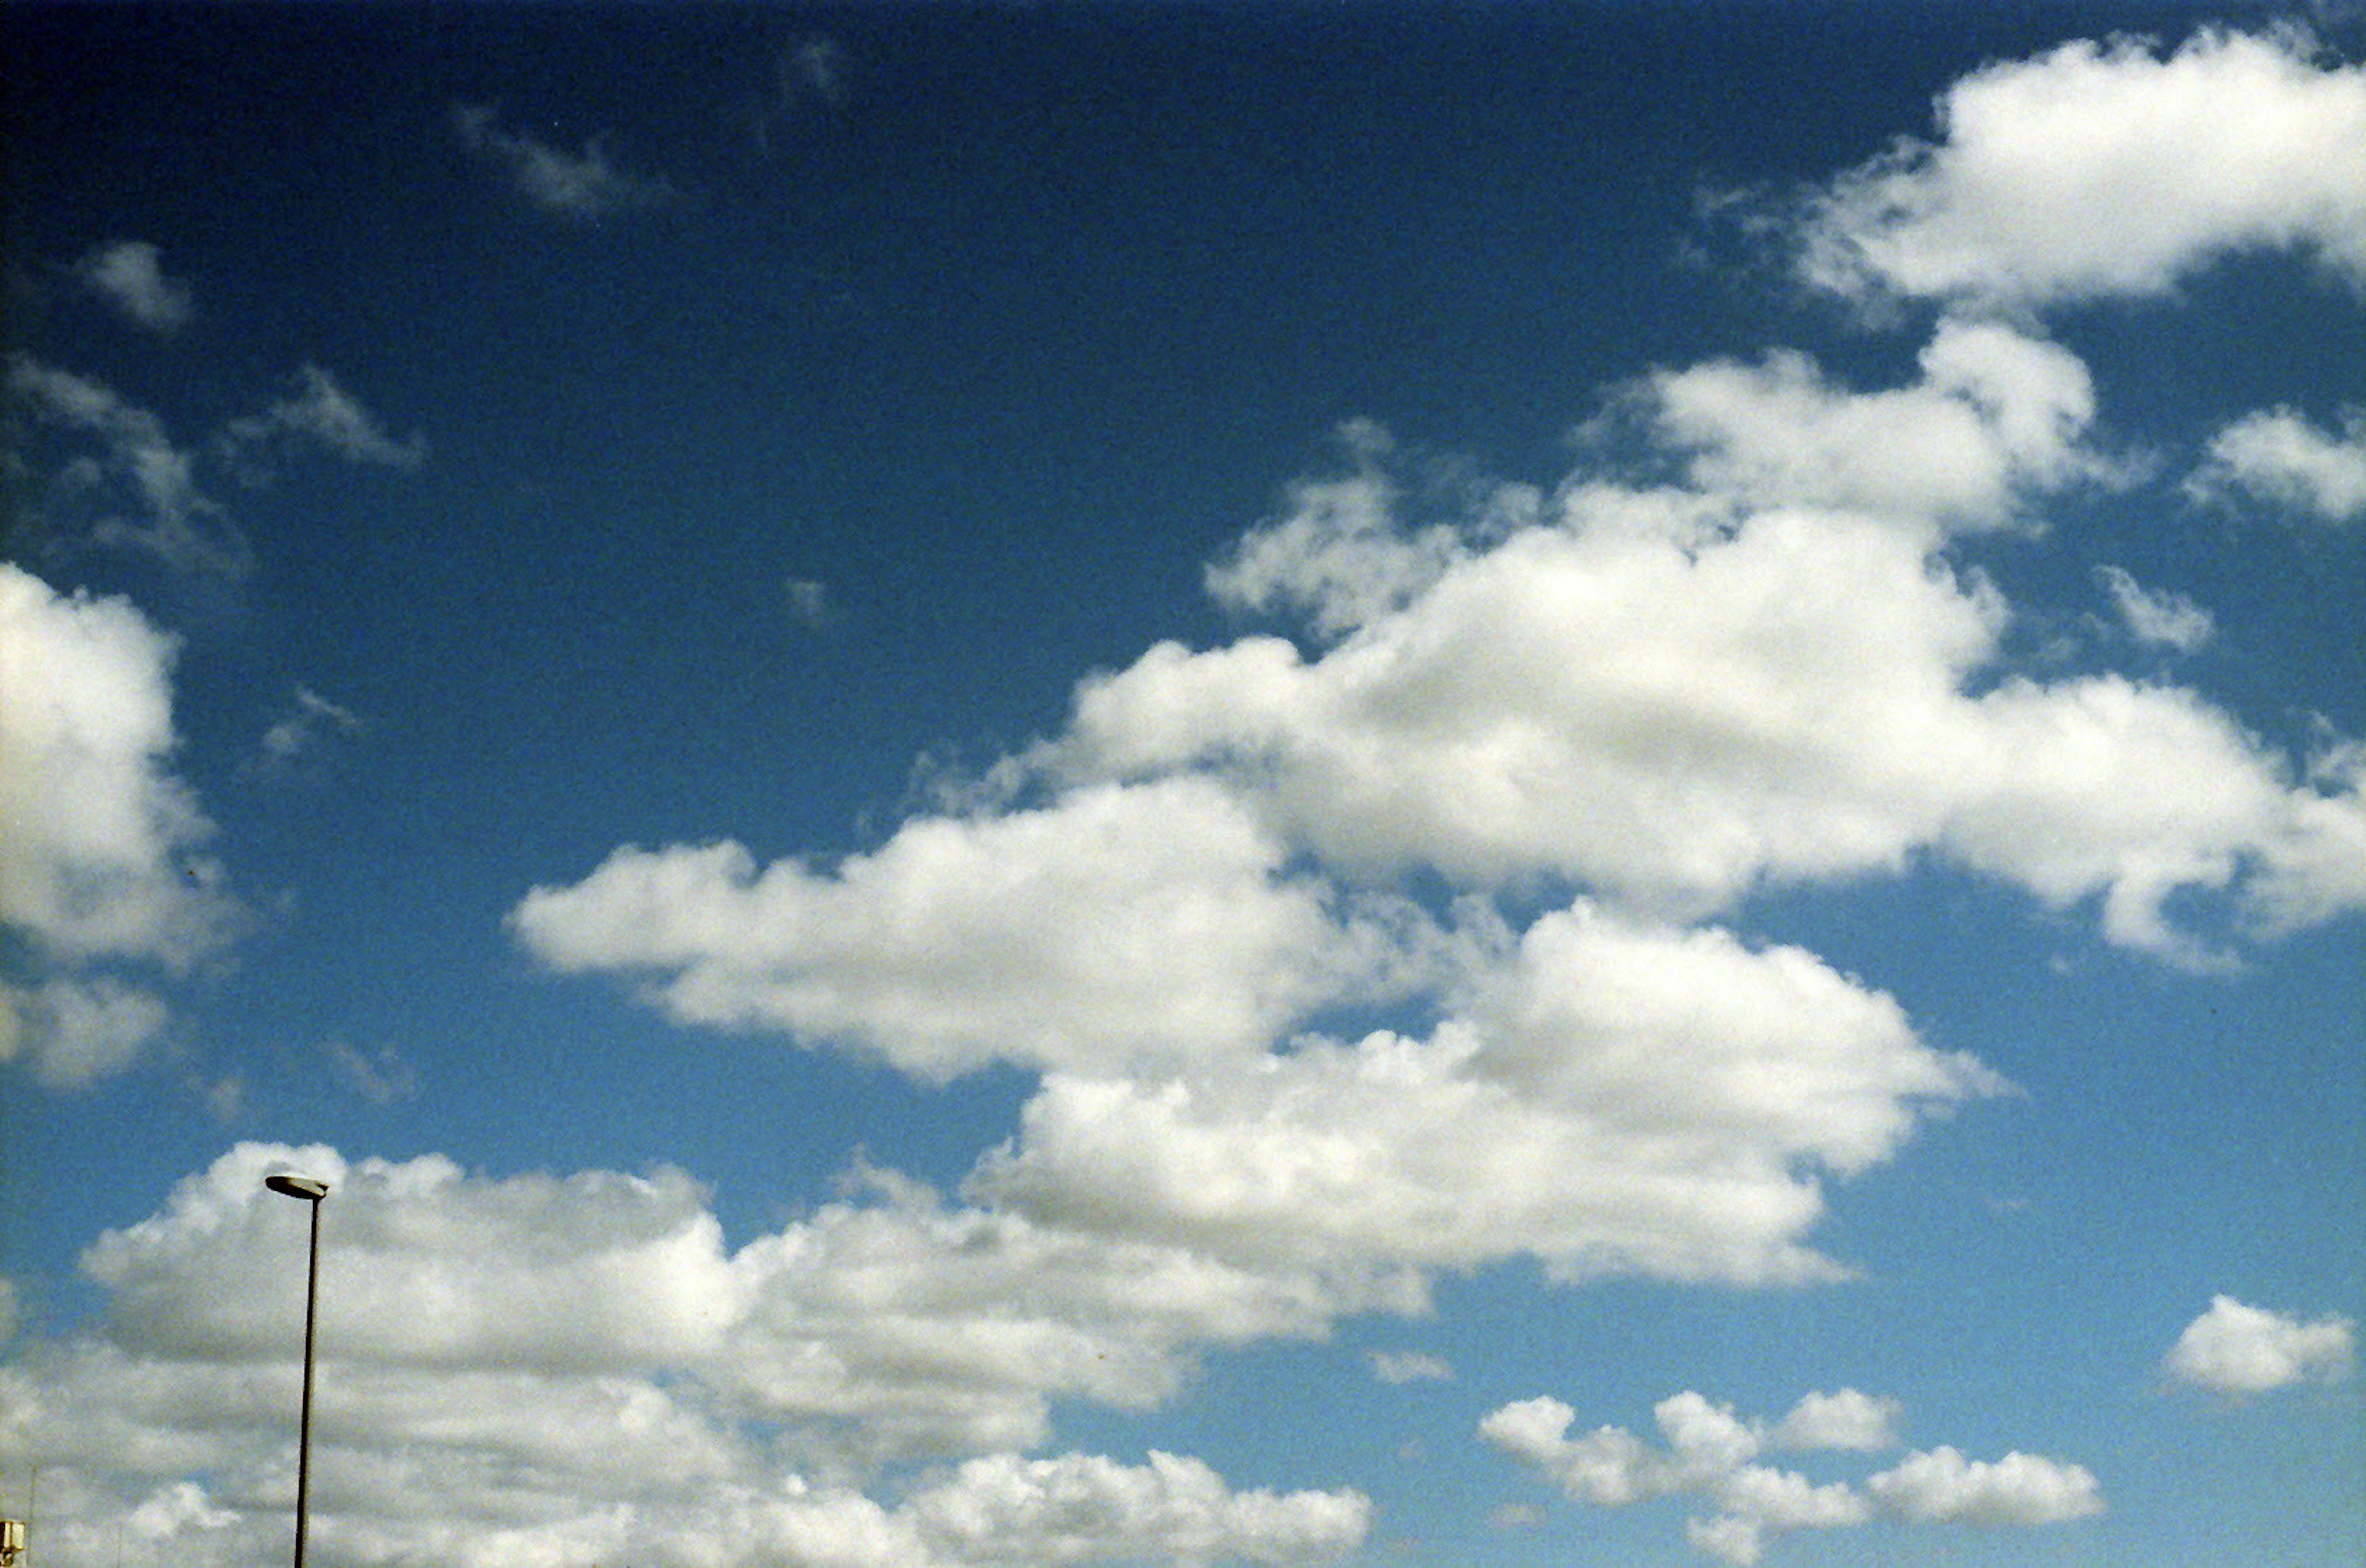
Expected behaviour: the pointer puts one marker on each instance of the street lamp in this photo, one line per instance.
(311, 1193)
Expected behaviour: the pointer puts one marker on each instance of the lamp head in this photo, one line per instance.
(303, 1187)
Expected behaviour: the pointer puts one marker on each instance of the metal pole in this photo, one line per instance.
(311, 1191)
(304, 1423)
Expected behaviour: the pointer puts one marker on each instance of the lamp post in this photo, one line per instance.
(311, 1191)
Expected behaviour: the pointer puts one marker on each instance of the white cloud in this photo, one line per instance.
(581, 187)
(2280, 457)
(1676, 721)
(1848, 1419)
(1120, 925)
(2156, 618)
(1601, 1129)
(296, 733)
(382, 1077)
(1078, 1507)
(2106, 170)
(472, 1329)
(1341, 554)
(323, 414)
(100, 862)
(1710, 1454)
(129, 274)
(1602, 1096)
(77, 1031)
(1410, 1366)
(2235, 1348)
(137, 463)
(1998, 416)
(1942, 1486)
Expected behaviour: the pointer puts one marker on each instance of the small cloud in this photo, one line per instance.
(1861, 1423)
(578, 186)
(2279, 456)
(1408, 1366)
(322, 413)
(2237, 1349)
(382, 1077)
(224, 1099)
(75, 1031)
(139, 488)
(816, 66)
(1516, 1517)
(809, 604)
(2156, 618)
(297, 732)
(129, 276)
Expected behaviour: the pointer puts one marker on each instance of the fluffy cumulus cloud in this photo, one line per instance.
(2103, 170)
(2239, 1350)
(1607, 1098)
(1677, 713)
(474, 1327)
(1998, 417)
(1710, 1455)
(2282, 458)
(1121, 924)
(1626, 703)
(104, 864)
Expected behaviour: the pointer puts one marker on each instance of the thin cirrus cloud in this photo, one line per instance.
(2156, 617)
(1710, 1455)
(322, 414)
(132, 485)
(129, 276)
(577, 187)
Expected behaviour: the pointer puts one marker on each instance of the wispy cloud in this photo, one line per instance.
(133, 486)
(382, 1077)
(1408, 1366)
(138, 488)
(576, 185)
(810, 604)
(2154, 617)
(323, 414)
(129, 276)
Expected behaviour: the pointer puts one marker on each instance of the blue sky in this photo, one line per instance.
(1519, 786)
